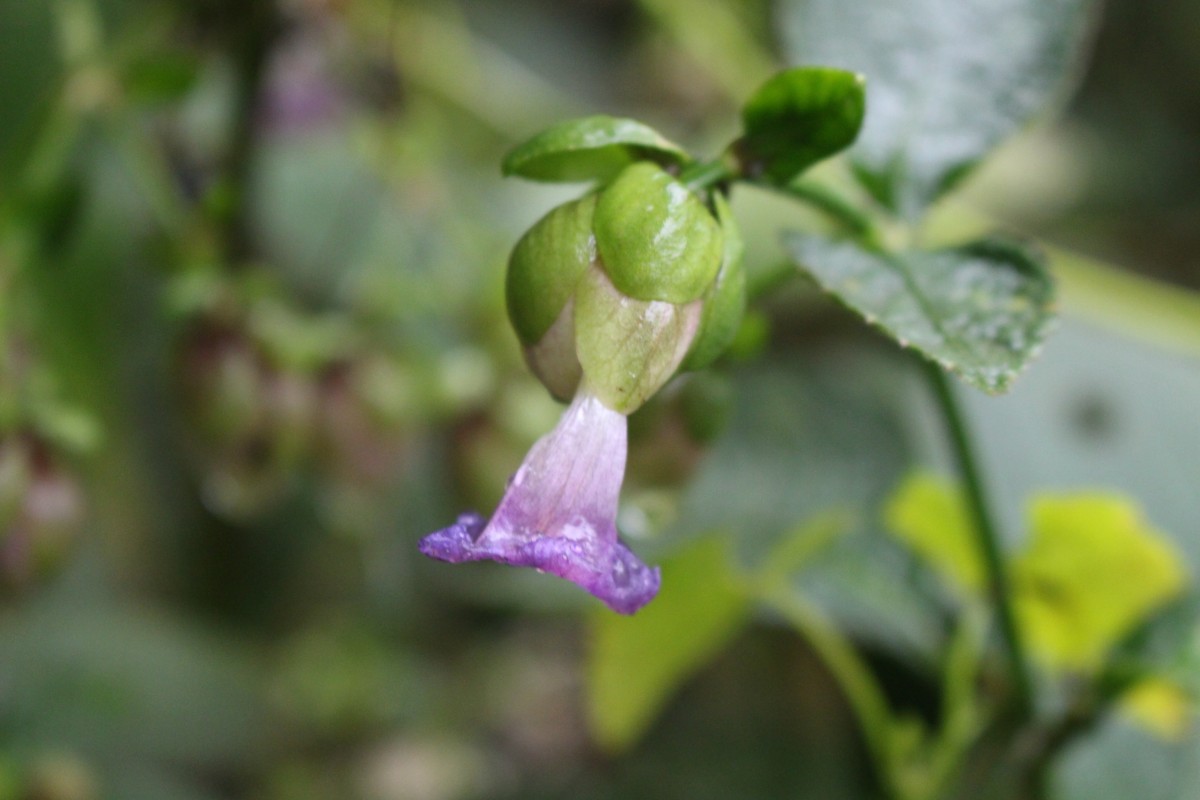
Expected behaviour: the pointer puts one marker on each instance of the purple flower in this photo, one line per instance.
(559, 512)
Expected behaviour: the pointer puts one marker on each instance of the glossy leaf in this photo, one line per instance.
(981, 310)
(591, 148)
(798, 118)
(1093, 570)
(947, 80)
(657, 240)
(636, 662)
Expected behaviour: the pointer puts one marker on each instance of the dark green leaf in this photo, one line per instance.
(981, 310)
(798, 118)
(28, 73)
(947, 80)
(591, 148)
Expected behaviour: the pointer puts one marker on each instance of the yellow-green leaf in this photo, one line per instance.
(929, 514)
(1159, 706)
(635, 663)
(1093, 570)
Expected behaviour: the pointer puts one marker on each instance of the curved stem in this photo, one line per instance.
(988, 539)
(845, 214)
(862, 692)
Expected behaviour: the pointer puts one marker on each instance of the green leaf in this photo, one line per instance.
(636, 663)
(591, 148)
(657, 240)
(798, 118)
(981, 310)
(1093, 570)
(929, 514)
(947, 80)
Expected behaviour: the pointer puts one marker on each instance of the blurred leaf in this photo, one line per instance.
(798, 118)
(637, 662)
(1093, 569)
(161, 77)
(343, 680)
(797, 548)
(717, 36)
(947, 80)
(1120, 761)
(803, 441)
(117, 686)
(1159, 706)
(981, 310)
(73, 429)
(591, 148)
(929, 514)
(28, 70)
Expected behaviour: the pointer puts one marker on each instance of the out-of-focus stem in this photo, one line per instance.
(987, 538)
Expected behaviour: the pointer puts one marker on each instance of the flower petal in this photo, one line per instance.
(559, 512)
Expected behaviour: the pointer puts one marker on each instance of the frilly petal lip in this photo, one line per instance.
(559, 513)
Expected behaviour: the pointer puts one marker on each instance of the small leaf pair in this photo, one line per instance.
(794, 120)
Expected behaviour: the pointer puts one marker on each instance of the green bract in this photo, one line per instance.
(545, 267)
(629, 348)
(798, 118)
(591, 148)
(656, 238)
(725, 300)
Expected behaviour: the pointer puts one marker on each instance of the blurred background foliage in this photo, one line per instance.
(253, 345)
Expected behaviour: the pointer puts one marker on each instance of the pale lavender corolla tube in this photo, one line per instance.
(559, 512)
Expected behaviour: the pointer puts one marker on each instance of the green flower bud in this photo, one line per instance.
(611, 289)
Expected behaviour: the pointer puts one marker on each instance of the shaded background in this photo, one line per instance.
(254, 346)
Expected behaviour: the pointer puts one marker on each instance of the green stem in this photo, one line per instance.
(831, 204)
(854, 678)
(703, 174)
(988, 539)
